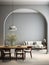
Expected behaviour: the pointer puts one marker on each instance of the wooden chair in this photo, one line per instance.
(29, 50)
(6, 53)
(20, 54)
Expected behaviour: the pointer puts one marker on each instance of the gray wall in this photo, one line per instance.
(4, 10)
(30, 26)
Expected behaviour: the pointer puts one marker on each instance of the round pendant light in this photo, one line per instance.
(12, 28)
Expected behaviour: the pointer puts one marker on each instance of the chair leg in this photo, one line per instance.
(16, 56)
(10, 56)
(24, 55)
(2, 55)
(31, 54)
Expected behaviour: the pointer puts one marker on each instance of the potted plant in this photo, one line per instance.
(11, 38)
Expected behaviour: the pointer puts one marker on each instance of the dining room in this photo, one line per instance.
(24, 33)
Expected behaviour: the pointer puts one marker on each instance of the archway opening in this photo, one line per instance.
(31, 25)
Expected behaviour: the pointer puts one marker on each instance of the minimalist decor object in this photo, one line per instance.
(12, 28)
(45, 43)
(11, 38)
(44, 40)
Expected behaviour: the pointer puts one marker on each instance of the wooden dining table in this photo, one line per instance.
(13, 47)
(17, 47)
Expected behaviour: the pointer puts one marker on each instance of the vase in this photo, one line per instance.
(11, 43)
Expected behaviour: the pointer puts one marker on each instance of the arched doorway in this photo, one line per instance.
(31, 30)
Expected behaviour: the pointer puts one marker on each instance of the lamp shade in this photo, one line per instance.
(13, 28)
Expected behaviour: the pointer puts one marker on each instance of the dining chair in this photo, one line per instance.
(28, 50)
(20, 54)
(6, 53)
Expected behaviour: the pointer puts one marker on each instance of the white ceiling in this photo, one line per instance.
(22, 2)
